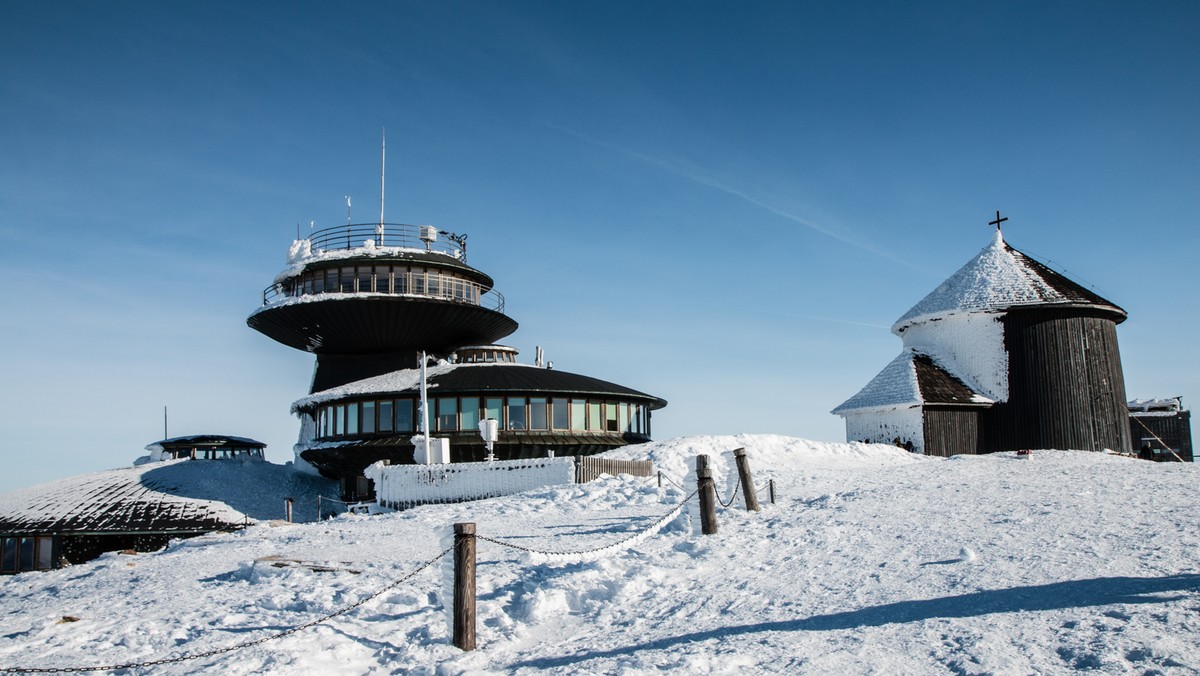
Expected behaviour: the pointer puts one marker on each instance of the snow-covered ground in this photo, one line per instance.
(872, 560)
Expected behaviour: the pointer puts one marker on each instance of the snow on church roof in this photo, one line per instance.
(911, 379)
(997, 279)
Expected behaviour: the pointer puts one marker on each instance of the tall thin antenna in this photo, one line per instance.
(165, 435)
(382, 172)
(347, 210)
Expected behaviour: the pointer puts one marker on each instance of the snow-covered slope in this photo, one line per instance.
(871, 561)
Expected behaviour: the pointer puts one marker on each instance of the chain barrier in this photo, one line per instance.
(668, 478)
(231, 648)
(649, 530)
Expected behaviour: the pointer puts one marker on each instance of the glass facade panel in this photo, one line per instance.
(562, 414)
(610, 416)
(339, 421)
(351, 418)
(368, 417)
(386, 415)
(595, 424)
(9, 563)
(623, 417)
(447, 414)
(578, 415)
(45, 553)
(418, 281)
(399, 280)
(365, 273)
(331, 280)
(537, 414)
(27, 553)
(469, 416)
(404, 415)
(516, 413)
(494, 408)
(347, 280)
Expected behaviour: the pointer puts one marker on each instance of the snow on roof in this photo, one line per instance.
(1160, 405)
(183, 496)
(911, 379)
(470, 376)
(301, 255)
(999, 278)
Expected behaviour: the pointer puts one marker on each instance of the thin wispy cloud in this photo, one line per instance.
(697, 175)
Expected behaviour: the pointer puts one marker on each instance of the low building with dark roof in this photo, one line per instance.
(1006, 354)
(142, 508)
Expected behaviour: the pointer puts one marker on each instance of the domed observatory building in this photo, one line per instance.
(368, 300)
(1004, 355)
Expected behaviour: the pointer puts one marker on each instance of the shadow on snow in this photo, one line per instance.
(1057, 596)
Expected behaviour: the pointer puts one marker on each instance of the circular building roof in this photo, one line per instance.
(482, 378)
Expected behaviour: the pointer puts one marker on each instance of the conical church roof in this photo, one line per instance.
(997, 279)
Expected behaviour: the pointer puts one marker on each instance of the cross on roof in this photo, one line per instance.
(998, 220)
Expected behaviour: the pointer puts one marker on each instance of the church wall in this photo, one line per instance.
(951, 432)
(1067, 388)
(885, 427)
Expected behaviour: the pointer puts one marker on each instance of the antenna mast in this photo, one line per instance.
(382, 173)
(347, 210)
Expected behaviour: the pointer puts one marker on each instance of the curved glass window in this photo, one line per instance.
(537, 414)
(516, 413)
(462, 414)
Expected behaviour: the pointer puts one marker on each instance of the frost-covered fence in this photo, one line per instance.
(588, 467)
(404, 486)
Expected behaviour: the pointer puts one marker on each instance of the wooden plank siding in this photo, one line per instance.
(1174, 431)
(587, 468)
(1066, 385)
(951, 431)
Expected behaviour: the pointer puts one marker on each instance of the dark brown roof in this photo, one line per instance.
(940, 387)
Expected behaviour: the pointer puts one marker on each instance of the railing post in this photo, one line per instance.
(708, 496)
(464, 586)
(660, 478)
(772, 488)
(748, 490)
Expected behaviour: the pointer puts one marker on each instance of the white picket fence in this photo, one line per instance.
(404, 486)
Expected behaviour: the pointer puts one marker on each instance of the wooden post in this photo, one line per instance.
(464, 586)
(318, 508)
(287, 508)
(772, 486)
(748, 490)
(660, 478)
(708, 496)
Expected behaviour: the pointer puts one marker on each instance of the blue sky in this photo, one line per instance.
(723, 204)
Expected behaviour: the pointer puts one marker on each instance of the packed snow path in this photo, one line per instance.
(872, 560)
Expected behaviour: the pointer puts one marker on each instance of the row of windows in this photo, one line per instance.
(19, 554)
(397, 279)
(450, 414)
(211, 453)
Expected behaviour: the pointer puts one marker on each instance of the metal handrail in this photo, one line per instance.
(490, 300)
(400, 235)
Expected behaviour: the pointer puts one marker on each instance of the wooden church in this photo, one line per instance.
(1005, 355)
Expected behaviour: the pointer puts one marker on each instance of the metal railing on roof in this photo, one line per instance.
(400, 235)
(429, 285)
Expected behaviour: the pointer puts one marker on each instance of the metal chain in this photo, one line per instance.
(669, 515)
(732, 497)
(677, 484)
(231, 648)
